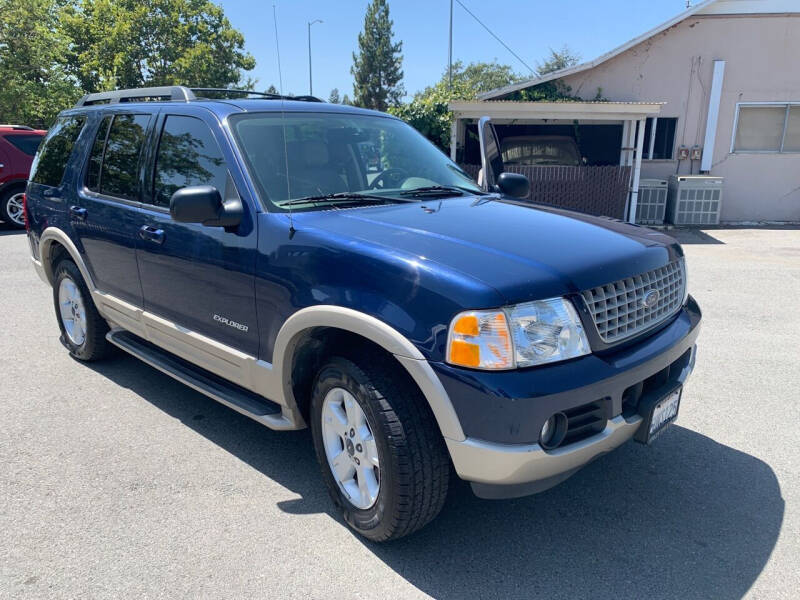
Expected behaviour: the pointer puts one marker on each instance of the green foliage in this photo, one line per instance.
(550, 91)
(34, 85)
(428, 112)
(377, 67)
(558, 59)
(334, 97)
(130, 43)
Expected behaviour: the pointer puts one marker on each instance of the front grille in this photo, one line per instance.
(619, 309)
(584, 421)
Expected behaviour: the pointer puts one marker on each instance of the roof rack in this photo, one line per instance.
(21, 127)
(177, 93)
(265, 95)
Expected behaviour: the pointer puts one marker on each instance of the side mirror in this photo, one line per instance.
(514, 184)
(203, 204)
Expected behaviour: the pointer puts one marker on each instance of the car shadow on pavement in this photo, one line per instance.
(6, 229)
(685, 518)
(693, 236)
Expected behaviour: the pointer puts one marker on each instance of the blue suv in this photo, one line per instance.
(312, 264)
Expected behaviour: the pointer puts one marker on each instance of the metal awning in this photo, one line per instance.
(632, 116)
(590, 111)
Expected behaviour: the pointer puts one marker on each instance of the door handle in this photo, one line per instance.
(78, 213)
(151, 234)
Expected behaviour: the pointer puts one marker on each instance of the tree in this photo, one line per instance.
(272, 90)
(334, 97)
(130, 43)
(428, 112)
(346, 100)
(377, 67)
(558, 59)
(34, 85)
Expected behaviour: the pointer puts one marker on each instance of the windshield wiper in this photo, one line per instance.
(434, 190)
(365, 198)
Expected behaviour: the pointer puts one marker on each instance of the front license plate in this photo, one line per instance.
(662, 416)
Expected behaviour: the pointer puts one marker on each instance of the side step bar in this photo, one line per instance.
(223, 391)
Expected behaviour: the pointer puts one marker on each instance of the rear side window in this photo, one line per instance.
(24, 142)
(51, 161)
(120, 162)
(187, 155)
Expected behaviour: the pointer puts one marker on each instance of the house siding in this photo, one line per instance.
(675, 66)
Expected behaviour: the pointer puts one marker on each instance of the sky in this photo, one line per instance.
(529, 27)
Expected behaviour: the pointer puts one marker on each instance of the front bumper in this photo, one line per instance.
(502, 413)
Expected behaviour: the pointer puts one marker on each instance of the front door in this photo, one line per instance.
(198, 278)
(106, 218)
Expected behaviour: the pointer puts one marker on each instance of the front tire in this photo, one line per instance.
(382, 455)
(11, 209)
(83, 330)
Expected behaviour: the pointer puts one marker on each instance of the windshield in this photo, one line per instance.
(293, 156)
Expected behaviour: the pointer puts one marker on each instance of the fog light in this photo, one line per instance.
(548, 429)
(553, 431)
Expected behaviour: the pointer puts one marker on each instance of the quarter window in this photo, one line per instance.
(51, 162)
(187, 155)
(120, 166)
(767, 128)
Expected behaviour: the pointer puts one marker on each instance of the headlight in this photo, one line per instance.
(523, 335)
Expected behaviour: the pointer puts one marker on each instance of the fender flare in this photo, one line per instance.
(381, 334)
(54, 234)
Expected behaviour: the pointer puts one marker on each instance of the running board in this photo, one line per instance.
(238, 398)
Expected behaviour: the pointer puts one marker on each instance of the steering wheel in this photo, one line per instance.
(390, 178)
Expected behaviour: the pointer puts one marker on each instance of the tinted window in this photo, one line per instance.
(96, 156)
(25, 142)
(187, 155)
(118, 174)
(49, 164)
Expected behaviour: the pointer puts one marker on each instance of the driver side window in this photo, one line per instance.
(187, 155)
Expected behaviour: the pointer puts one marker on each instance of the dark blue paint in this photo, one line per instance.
(413, 266)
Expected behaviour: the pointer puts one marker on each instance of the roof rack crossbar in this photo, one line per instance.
(174, 92)
(267, 95)
(178, 93)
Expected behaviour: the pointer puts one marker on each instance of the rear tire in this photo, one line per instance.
(399, 437)
(11, 208)
(83, 330)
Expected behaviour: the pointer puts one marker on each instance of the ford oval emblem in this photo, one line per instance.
(650, 299)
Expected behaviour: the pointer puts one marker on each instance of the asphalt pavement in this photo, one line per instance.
(118, 482)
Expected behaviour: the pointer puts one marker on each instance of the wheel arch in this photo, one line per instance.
(52, 243)
(301, 325)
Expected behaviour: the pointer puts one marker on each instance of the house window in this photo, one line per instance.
(662, 146)
(767, 127)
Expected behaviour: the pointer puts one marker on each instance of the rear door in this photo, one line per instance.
(197, 277)
(107, 218)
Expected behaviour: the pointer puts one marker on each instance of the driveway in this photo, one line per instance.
(119, 482)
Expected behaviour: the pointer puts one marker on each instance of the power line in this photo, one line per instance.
(471, 14)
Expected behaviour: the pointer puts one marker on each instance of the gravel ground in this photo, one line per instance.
(120, 482)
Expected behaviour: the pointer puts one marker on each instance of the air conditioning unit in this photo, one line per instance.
(651, 205)
(694, 200)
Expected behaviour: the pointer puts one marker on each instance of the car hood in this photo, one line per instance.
(524, 251)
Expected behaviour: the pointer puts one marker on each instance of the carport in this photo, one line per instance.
(611, 137)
